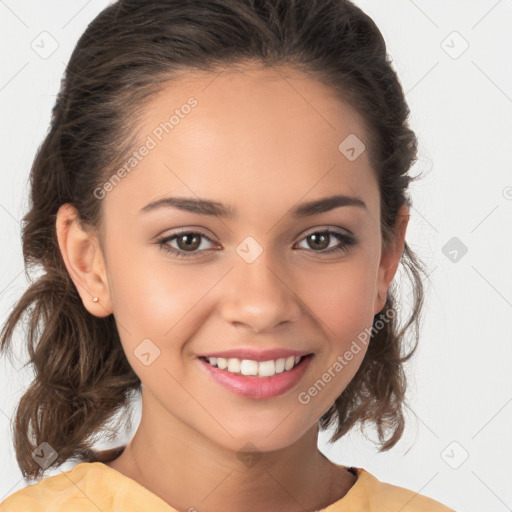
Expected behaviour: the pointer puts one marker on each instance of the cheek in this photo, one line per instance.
(161, 303)
(151, 294)
(340, 296)
(341, 301)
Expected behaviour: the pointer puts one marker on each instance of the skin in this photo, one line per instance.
(260, 140)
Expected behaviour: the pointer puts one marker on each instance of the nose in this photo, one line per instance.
(260, 296)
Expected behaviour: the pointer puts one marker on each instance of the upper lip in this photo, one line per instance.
(256, 355)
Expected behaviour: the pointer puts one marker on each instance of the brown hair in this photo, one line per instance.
(82, 377)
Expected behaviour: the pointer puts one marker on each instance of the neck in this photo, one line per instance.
(190, 472)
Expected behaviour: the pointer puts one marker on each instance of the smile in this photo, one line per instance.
(253, 379)
(251, 367)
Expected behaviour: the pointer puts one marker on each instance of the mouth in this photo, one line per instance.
(249, 367)
(257, 379)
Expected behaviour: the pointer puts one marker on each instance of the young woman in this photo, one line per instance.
(220, 207)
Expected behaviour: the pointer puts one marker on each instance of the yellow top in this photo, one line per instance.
(94, 486)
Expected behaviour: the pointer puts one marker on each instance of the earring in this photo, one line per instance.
(95, 299)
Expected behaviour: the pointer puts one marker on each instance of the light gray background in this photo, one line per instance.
(457, 447)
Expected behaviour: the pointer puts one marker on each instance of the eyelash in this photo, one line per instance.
(347, 242)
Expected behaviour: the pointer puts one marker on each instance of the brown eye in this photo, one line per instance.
(319, 241)
(187, 243)
(191, 241)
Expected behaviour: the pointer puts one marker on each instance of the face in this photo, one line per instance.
(183, 283)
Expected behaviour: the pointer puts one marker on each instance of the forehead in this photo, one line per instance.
(256, 136)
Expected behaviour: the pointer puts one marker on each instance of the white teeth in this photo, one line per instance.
(280, 365)
(266, 368)
(247, 367)
(234, 365)
(288, 364)
(250, 367)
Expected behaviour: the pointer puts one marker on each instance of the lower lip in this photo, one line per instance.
(258, 387)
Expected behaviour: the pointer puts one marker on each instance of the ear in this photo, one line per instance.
(390, 258)
(84, 261)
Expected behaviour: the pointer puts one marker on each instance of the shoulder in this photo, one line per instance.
(88, 487)
(55, 491)
(369, 494)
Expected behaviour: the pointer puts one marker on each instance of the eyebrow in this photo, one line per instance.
(213, 208)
